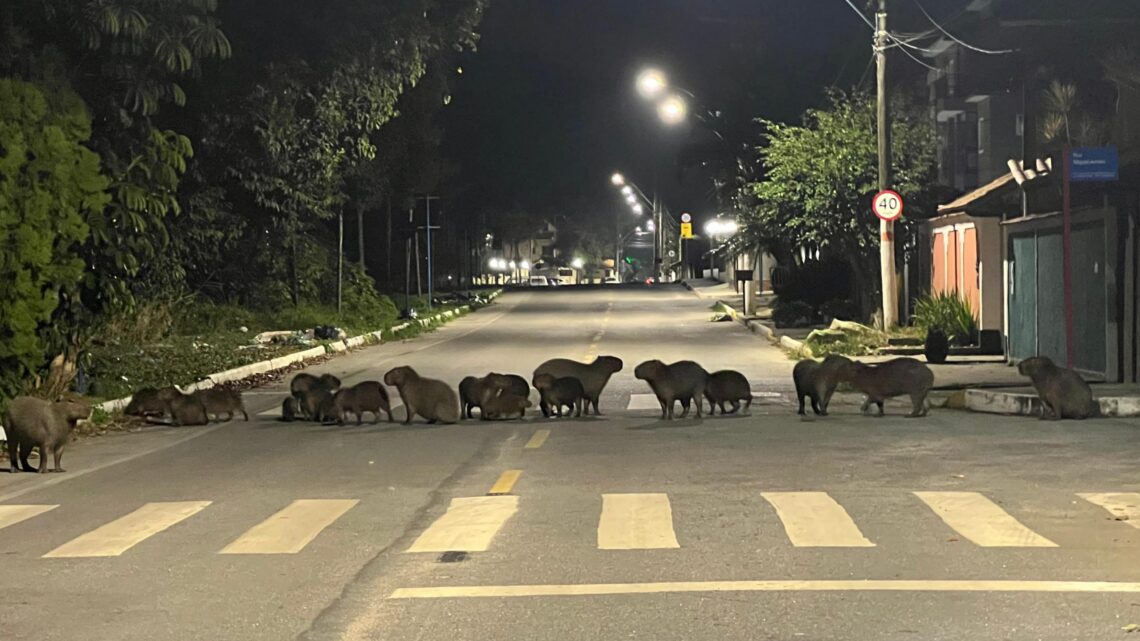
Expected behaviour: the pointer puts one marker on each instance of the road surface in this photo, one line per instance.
(765, 526)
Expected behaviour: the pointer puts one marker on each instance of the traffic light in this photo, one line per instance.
(628, 260)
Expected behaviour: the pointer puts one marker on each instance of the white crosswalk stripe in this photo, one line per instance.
(981, 520)
(636, 522)
(124, 533)
(1125, 506)
(291, 529)
(469, 525)
(814, 519)
(13, 514)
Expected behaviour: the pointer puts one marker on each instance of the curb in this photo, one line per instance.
(282, 362)
(756, 327)
(1023, 404)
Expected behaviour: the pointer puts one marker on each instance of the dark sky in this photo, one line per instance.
(546, 109)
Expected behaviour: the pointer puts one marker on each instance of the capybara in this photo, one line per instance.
(504, 405)
(818, 381)
(509, 384)
(593, 376)
(369, 396)
(187, 409)
(557, 392)
(303, 383)
(472, 390)
(290, 408)
(682, 381)
(311, 400)
(728, 386)
(218, 401)
(34, 422)
(1063, 393)
(430, 398)
(145, 402)
(896, 377)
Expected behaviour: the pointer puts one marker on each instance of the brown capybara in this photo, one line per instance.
(369, 396)
(728, 386)
(430, 398)
(290, 409)
(218, 401)
(187, 409)
(593, 376)
(1063, 393)
(817, 380)
(554, 393)
(472, 390)
(509, 384)
(896, 377)
(504, 405)
(34, 422)
(318, 404)
(682, 381)
(145, 402)
(303, 383)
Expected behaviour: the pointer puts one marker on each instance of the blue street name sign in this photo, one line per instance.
(1094, 164)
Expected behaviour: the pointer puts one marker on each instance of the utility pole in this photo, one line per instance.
(886, 229)
(339, 262)
(427, 225)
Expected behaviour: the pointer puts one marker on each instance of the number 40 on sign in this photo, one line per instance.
(888, 205)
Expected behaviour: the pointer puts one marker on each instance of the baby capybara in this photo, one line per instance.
(593, 376)
(290, 409)
(218, 401)
(34, 422)
(817, 381)
(303, 383)
(896, 377)
(728, 386)
(369, 396)
(555, 393)
(504, 405)
(1063, 393)
(430, 398)
(681, 381)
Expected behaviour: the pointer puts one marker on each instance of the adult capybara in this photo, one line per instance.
(218, 401)
(681, 381)
(818, 381)
(304, 383)
(145, 402)
(509, 384)
(504, 405)
(33, 422)
(896, 377)
(593, 376)
(430, 398)
(728, 386)
(1063, 393)
(554, 393)
(472, 391)
(187, 409)
(290, 408)
(369, 396)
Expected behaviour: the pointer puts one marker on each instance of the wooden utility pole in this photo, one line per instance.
(339, 261)
(886, 228)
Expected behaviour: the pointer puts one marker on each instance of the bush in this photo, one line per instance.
(947, 312)
(840, 308)
(792, 313)
(815, 282)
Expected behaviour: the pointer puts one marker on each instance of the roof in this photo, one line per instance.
(979, 196)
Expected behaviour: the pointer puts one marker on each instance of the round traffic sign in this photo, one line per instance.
(672, 253)
(887, 205)
(685, 218)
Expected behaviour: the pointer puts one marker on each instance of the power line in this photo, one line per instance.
(915, 58)
(859, 13)
(951, 36)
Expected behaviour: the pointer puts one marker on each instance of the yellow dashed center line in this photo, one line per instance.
(505, 483)
(537, 440)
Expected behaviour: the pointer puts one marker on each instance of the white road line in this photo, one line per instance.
(981, 520)
(13, 514)
(469, 525)
(602, 589)
(123, 533)
(1125, 506)
(291, 529)
(814, 519)
(636, 522)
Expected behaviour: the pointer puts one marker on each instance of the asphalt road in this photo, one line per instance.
(765, 526)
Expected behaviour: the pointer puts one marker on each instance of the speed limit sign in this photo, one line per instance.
(887, 205)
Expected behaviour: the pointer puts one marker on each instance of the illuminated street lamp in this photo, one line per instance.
(651, 82)
(627, 191)
(638, 209)
(617, 179)
(673, 110)
(577, 263)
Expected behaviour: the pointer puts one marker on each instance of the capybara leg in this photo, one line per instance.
(801, 411)
(389, 413)
(866, 404)
(815, 407)
(244, 415)
(411, 412)
(57, 457)
(25, 452)
(735, 406)
(45, 452)
(685, 407)
(880, 405)
(597, 412)
(13, 455)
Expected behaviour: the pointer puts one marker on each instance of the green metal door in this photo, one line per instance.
(1050, 296)
(1023, 297)
(1089, 298)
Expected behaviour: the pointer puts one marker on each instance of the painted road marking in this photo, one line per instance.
(537, 440)
(469, 524)
(981, 520)
(649, 401)
(1125, 506)
(636, 522)
(505, 483)
(291, 529)
(124, 533)
(13, 514)
(601, 589)
(814, 519)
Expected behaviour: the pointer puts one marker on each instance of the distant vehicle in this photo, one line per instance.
(538, 281)
(556, 281)
(611, 280)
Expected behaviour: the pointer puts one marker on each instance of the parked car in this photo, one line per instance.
(538, 281)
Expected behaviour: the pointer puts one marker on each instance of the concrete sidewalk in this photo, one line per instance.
(988, 383)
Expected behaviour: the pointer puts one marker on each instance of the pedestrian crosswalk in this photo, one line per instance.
(623, 521)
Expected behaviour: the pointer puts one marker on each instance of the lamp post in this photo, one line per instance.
(635, 197)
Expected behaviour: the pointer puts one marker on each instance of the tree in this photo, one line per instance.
(819, 179)
(49, 184)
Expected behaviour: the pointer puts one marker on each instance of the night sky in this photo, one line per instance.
(546, 110)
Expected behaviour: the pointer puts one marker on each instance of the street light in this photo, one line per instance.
(673, 110)
(617, 179)
(577, 263)
(638, 209)
(651, 82)
(627, 191)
